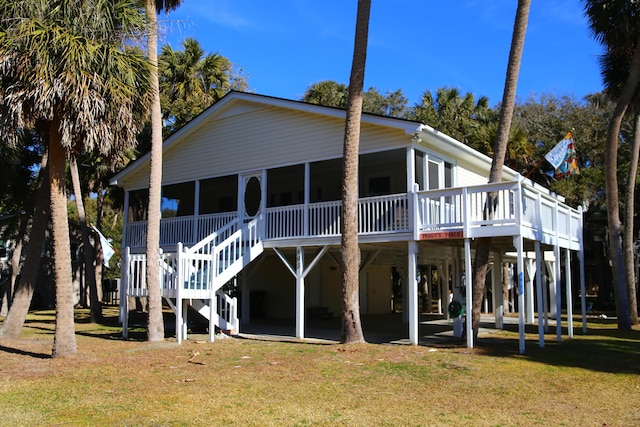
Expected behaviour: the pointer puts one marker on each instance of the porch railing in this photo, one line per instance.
(519, 208)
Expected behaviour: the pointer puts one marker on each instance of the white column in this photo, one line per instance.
(530, 266)
(412, 289)
(567, 275)
(517, 243)
(496, 283)
(558, 291)
(469, 294)
(299, 292)
(583, 290)
(196, 211)
(541, 315)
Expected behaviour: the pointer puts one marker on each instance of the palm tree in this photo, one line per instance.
(459, 116)
(328, 93)
(155, 322)
(613, 23)
(483, 246)
(66, 75)
(190, 81)
(350, 264)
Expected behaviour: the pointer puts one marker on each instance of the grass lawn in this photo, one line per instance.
(591, 380)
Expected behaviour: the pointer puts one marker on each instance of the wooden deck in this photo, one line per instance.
(519, 208)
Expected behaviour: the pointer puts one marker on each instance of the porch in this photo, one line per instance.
(520, 208)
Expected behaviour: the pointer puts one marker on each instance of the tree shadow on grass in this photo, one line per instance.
(33, 354)
(606, 350)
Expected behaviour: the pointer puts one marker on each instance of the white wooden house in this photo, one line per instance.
(251, 191)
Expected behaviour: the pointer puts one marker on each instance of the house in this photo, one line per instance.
(251, 193)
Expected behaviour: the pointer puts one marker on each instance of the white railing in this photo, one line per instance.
(466, 208)
(518, 207)
(186, 229)
(380, 214)
(227, 311)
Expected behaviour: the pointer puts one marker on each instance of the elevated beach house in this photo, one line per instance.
(251, 203)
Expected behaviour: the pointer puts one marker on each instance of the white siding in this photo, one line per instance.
(259, 139)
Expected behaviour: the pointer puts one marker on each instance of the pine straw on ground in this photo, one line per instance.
(591, 380)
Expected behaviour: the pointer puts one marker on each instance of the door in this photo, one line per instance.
(251, 201)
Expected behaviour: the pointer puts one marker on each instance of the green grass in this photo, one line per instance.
(590, 380)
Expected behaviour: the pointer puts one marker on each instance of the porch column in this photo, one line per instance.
(496, 284)
(530, 265)
(541, 313)
(583, 290)
(457, 291)
(307, 198)
(567, 281)
(300, 272)
(517, 243)
(558, 289)
(548, 270)
(299, 292)
(196, 212)
(469, 291)
(413, 292)
(125, 221)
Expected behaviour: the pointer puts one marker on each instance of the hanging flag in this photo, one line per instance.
(563, 158)
(107, 248)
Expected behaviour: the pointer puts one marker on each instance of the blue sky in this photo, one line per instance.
(284, 46)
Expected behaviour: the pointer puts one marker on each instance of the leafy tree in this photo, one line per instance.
(350, 261)
(333, 94)
(66, 75)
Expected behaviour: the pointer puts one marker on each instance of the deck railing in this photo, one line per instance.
(518, 208)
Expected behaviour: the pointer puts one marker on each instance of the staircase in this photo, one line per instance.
(195, 276)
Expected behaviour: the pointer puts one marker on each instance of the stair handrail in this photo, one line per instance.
(211, 238)
(248, 233)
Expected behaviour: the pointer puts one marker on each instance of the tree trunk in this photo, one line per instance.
(87, 249)
(629, 264)
(351, 325)
(98, 259)
(23, 290)
(155, 324)
(483, 246)
(64, 340)
(611, 187)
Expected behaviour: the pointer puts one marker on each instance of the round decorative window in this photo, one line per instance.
(252, 196)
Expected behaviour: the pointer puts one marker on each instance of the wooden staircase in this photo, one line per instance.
(195, 276)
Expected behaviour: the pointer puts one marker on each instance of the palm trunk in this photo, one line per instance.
(87, 250)
(629, 264)
(611, 186)
(64, 340)
(483, 247)
(351, 325)
(23, 290)
(155, 324)
(98, 260)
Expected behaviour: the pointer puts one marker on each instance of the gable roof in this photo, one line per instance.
(234, 100)
(237, 103)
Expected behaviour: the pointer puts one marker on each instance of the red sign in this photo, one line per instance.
(437, 235)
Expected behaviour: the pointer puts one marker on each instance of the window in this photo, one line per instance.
(432, 172)
(178, 199)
